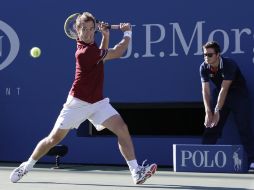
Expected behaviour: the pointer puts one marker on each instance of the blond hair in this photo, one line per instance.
(85, 17)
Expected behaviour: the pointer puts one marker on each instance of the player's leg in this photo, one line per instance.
(40, 150)
(107, 117)
(56, 136)
(242, 115)
(70, 117)
(119, 128)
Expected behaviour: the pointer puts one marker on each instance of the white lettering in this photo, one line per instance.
(14, 44)
(186, 155)
(238, 34)
(186, 48)
(201, 158)
(8, 91)
(206, 160)
(149, 41)
(156, 33)
(224, 159)
(1, 45)
(18, 90)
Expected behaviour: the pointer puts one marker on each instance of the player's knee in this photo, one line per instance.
(117, 126)
(53, 140)
(123, 129)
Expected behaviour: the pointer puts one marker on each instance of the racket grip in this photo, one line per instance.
(114, 27)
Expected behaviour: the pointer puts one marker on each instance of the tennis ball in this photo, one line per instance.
(35, 52)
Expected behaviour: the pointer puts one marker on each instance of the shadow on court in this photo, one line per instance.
(150, 186)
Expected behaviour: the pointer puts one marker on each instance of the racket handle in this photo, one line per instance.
(114, 27)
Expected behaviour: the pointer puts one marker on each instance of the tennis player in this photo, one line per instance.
(86, 101)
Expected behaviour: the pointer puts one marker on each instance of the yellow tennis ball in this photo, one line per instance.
(35, 52)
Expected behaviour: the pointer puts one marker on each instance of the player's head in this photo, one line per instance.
(214, 45)
(211, 52)
(85, 26)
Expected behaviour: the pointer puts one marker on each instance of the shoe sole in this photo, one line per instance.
(148, 175)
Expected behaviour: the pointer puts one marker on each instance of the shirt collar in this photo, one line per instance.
(80, 42)
(221, 63)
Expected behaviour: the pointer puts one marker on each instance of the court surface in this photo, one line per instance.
(77, 177)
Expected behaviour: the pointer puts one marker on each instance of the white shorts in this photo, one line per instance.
(76, 111)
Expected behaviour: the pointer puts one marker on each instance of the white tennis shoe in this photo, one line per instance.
(19, 172)
(143, 173)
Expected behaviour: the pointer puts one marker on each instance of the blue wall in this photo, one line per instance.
(161, 65)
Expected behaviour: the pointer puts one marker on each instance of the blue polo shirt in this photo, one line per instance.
(228, 70)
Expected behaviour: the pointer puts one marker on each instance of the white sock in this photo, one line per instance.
(133, 165)
(30, 163)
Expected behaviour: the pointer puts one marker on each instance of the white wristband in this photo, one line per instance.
(127, 33)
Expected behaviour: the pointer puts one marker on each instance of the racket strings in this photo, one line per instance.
(70, 26)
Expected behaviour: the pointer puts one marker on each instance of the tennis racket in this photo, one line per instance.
(70, 26)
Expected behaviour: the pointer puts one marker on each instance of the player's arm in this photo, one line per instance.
(220, 101)
(207, 99)
(206, 96)
(222, 94)
(229, 75)
(105, 35)
(122, 46)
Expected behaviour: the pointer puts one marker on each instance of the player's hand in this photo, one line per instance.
(125, 27)
(103, 28)
(208, 119)
(216, 118)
